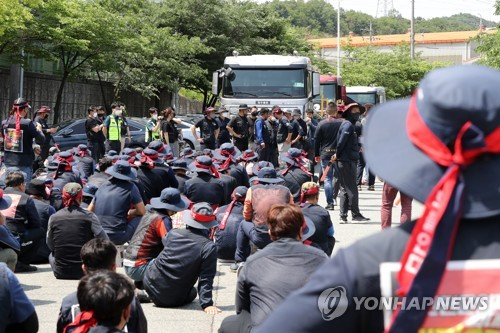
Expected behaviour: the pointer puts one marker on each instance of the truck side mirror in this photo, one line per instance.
(215, 82)
(316, 85)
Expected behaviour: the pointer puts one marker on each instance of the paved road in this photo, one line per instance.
(46, 292)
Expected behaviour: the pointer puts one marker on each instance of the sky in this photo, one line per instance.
(423, 8)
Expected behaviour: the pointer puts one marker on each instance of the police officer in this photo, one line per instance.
(239, 128)
(113, 128)
(19, 132)
(208, 129)
(152, 131)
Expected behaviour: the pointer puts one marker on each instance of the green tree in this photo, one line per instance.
(73, 32)
(394, 70)
(489, 45)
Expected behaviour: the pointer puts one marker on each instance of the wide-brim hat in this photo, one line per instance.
(267, 176)
(201, 216)
(171, 199)
(446, 99)
(293, 157)
(201, 164)
(158, 146)
(152, 155)
(249, 155)
(122, 170)
(180, 164)
(309, 229)
(260, 165)
(221, 155)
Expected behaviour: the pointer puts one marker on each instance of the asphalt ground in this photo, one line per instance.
(46, 292)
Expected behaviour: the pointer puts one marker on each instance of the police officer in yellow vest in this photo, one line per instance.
(153, 126)
(113, 128)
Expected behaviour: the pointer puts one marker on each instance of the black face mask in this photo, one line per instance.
(100, 115)
(354, 117)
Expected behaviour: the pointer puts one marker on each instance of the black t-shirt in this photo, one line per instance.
(90, 123)
(171, 130)
(240, 126)
(207, 129)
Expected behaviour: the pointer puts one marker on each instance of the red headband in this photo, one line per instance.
(298, 162)
(310, 191)
(201, 217)
(210, 168)
(68, 199)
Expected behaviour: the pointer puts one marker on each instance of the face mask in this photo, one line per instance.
(95, 114)
(155, 117)
(118, 112)
(354, 117)
(101, 115)
(225, 114)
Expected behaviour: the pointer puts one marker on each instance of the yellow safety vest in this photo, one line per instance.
(154, 135)
(114, 129)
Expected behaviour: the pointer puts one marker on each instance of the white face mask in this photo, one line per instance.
(95, 114)
(118, 112)
(155, 117)
(225, 114)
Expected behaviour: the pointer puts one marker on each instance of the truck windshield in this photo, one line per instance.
(270, 83)
(327, 92)
(363, 98)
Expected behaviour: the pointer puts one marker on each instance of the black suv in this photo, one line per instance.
(71, 133)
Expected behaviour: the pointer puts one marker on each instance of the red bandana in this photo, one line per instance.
(210, 168)
(311, 191)
(68, 199)
(83, 322)
(431, 243)
(298, 162)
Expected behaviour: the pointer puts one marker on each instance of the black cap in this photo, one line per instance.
(243, 107)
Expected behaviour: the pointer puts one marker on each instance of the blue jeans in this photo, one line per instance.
(247, 233)
(331, 183)
(136, 273)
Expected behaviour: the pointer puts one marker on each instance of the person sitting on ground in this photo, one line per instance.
(229, 218)
(188, 256)
(65, 173)
(105, 300)
(113, 200)
(228, 181)
(228, 156)
(100, 177)
(23, 221)
(324, 235)
(146, 244)
(18, 313)
(247, 160)
(85, 161)
(38, 192)
(273, 273)
(152, 183)
(296, 172)
(206, 185)
(69, 229)
(9, 245)
(161, 167)
(99, 255)
(180, 168)
(259, 199)
(188, 155)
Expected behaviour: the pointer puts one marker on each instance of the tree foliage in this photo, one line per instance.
(364, 66)
(489, 45)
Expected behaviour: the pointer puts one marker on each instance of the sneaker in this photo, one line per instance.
(359, 188)
(235, 266)
(371, 188)
(142, 296)
(343, 219)
(330, 207)
(21, 267)
(360, 218)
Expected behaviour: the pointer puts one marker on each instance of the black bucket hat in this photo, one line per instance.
(170, 198)
(201, 216)
(267, 176)
(122, 170)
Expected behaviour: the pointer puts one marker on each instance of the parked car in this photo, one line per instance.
(187, 136)
(71, 133)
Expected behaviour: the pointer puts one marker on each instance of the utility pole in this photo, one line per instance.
(412, 30)
(338, 38)
(371, 33)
